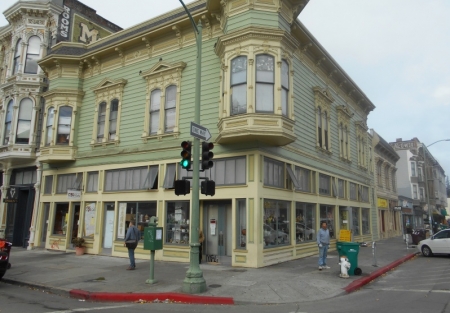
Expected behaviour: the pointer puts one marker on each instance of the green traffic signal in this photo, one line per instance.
(186, 155)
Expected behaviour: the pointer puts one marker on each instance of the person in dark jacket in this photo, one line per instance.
(133, 235)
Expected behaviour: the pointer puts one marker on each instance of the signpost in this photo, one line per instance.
(200, 132)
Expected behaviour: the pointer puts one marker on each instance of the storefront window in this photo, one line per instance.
(355, 220)
(138, 212)
(177, 222)
(327, 215)
(365, 221)
(61, 218)
(89, 220)
(276, 223)
(305, 222)
(241, 223)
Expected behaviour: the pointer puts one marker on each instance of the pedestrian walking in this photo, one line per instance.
(131, 240)
(323, 241)
(201, 238)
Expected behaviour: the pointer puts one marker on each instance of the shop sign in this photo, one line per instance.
(73, 194)
(397, 208)
(64, 24)
(12, 195)
(382, 203)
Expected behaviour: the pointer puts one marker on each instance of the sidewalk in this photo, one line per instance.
(104, 278)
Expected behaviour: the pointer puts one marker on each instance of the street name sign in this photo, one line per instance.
(200, 132)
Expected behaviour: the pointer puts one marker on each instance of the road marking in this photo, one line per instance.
(412, 290)
(93, 309)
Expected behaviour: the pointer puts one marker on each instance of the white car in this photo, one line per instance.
(437, 244)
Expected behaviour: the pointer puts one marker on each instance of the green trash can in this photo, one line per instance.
(350, 250)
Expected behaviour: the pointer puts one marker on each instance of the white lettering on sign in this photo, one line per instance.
(65, 22)
(87, 34)
(73, 194)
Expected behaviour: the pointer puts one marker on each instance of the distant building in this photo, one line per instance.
(34, 27)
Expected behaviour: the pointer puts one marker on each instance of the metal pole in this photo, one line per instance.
(194, 281)
(152, 279)
(374, 250)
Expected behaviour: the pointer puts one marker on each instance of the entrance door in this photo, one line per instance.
(75, 220)
(18, 219)
(45, 225)
(217, 225)
(109, 226)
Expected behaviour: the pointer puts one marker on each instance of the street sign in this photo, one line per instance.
(397, 208)
(200, 132)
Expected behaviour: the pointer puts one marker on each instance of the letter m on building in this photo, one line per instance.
(87, 35)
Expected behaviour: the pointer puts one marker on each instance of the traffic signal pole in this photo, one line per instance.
(194, 281)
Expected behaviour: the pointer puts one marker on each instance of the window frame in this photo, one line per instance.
(30, 120)
(7, 130)
(67, 138)
(260, 106)
(323, 100)
(17, 57)
(36, 55)
(281, 173)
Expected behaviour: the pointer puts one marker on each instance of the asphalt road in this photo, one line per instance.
(419, 285)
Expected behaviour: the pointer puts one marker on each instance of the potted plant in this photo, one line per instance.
(78, 242)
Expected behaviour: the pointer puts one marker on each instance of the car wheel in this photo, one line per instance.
(426, 251)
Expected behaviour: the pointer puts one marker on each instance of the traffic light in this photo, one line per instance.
(186, 155)
(182, 187)
(208, 187)
(207, 155)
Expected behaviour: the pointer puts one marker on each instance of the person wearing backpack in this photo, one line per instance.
(131, 240)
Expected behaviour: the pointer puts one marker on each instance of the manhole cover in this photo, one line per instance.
(215, 286)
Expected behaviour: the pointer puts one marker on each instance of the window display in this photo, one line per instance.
(139, 212)
(241, 224)
(276, 224)
(305, 222)
(355, 220)
(177, 223)
(61, 219)
(327, 215)
(365, 221)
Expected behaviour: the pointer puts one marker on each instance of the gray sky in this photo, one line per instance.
(397, 51)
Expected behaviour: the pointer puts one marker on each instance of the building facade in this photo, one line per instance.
(34, 26)
(288, 124)
(385, 159)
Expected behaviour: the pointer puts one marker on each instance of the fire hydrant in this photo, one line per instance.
(345, 266)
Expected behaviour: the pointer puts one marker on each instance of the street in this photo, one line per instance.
(419, 285)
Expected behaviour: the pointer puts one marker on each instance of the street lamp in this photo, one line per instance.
(430, 215)
(194, 281)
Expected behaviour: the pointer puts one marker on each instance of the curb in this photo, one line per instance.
(148, 297)
(357, 284)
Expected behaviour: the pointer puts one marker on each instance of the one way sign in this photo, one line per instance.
(200, 132)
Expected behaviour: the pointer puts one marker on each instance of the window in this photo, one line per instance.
(379, 181)
(273, 173)
(126, 179)
(177, 223)
(353, 195)
(422, 194)
(364, 194)
(241, 222)
(305, 222)
(111, 118)
(393, 184)
(170, 109)
(420, 172)
(365, 218)
(319, 126)
(8, 121)
(68, 181)
(169, 179)
(101, 121)
(33, 52)
(24, 121)
(92, 182)
(415, 192)
(413, 169)
(327, 215)
(48, 185)
(325, 129)
(64, 125)
(284, 88)
(155, 103)
(276, 226)
(265, 80)
(324, 185)
(355, 220)
(17, 53)
(238, 85)
(138, 212)
(49, 126)
(386, 177)
(114, 107)
(303, 176)
(323, 100)
(341, 188)
(61, 219)
(24, 177)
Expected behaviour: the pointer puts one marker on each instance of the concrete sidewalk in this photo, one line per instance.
(105, 278)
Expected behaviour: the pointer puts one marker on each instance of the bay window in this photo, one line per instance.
(24, 121)
(265, 80)
(238, 85)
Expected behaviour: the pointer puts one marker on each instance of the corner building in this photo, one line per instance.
(288, 124)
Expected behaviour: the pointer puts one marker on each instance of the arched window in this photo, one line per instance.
(114, 108)
(238, 85)
(33, 52)
(155, 104)
(64, 125)
(101, 121)
(319, 126)
(284, 88)
(49, 126)
(265, 80)
(24, 121)
(17, 54)
(170, 108)
(8, 120)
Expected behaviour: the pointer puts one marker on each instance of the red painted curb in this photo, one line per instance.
(365, 280)
(149, 297)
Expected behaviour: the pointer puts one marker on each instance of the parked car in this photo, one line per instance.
(272, 236)
(5, 249)
(303, 232)
(436, 244)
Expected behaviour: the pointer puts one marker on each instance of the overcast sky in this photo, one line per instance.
(396, 51)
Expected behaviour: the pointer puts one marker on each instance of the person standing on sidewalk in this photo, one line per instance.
(323, 241)
(131, 240)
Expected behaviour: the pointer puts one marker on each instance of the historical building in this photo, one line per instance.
(422, 178)
(385, 159)
(34, 26)
(288, 124)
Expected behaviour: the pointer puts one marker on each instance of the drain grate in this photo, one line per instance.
(215, 286)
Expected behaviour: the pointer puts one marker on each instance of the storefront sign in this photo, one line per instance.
(397, 208)
(122, 216)
(73, 194)
(12, 195)
(64, 24)
(382, 203)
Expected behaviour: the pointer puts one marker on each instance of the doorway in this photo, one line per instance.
(18, 219)
(108, 229)
(217, 229)
(75, 220)
(45, 225)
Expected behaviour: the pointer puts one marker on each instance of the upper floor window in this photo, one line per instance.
(8, 121)
(415, 192)
(323, 100)
(273, 173)
(341, 188)
(238, 85)
(107, 121)
(379, 181)
(413, 169)
(170, 109)
(304, 178)
(17, 54)
(113, 109)
(49, 126)
(353, 192)
(155, 103)
(324, 185)
(24, 121)
(64, 125)
(265, 80)
(101, 121)
(33, 52)
(393, 184)
(386, 177)
(284, 88)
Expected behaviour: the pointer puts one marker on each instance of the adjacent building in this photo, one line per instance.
(34, 27)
